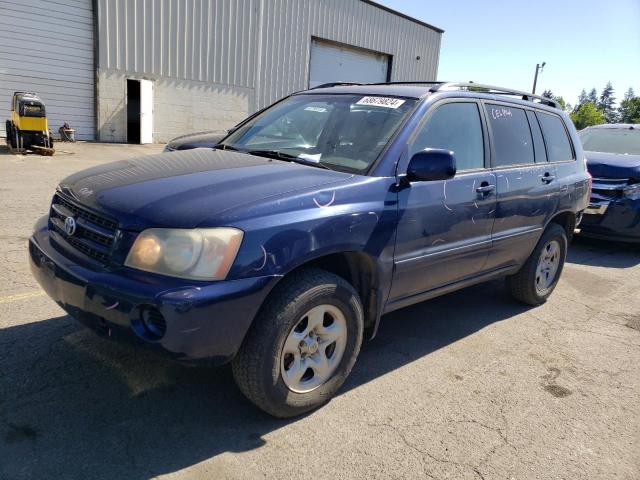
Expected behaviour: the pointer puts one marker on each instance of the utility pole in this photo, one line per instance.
(535, 78)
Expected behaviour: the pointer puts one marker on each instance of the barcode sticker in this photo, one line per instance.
(386, 102)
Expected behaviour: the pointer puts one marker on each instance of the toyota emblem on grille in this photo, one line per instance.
(70, 226)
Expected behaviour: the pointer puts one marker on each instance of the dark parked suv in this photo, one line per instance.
(613, 160)
(280, 249)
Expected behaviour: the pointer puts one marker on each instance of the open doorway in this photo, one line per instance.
(139, 111)
(133, 111)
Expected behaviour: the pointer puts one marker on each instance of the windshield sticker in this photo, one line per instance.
(497, 113)
(310, 158)
(316, 109)
(381, 102)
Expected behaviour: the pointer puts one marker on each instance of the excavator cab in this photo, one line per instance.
(28, 128)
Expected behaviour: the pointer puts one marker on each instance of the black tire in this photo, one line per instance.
(11, 140)
(522, 285)
(257, 366)
(18, 138)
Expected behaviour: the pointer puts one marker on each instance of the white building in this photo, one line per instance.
(119, 70)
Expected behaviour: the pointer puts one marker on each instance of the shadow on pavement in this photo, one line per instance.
(73, 405)
(603, 253)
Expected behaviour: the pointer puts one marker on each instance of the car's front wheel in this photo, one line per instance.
(302, 345)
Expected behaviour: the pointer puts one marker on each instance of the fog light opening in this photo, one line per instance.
(152, 324)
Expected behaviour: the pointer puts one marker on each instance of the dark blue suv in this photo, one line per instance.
(280, 249)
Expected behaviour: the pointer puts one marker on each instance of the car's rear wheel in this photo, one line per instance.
(302, 345)
(538, 277)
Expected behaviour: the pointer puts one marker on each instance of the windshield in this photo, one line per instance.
(341, 132)
(31, 109)
(612, 140)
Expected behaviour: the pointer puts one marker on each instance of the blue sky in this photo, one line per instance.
(584, 42)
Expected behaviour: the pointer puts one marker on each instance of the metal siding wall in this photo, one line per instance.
(49, 49)
(263, 45)
(290, 24)
(209, 41)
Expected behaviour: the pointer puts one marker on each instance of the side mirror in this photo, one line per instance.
(431, 164)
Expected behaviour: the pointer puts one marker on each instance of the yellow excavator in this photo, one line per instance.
(28, 128)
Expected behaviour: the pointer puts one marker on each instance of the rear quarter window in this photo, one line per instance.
(512, 142)
(555, 136)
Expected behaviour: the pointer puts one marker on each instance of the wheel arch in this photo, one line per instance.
(567, 220)
(361, 271)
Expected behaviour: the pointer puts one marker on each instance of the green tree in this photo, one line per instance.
(581, 98)
(562, 103)
(586, 115)
(607, 102)
(593, 96)
(548, 94)
(630, 94)
(630, 110)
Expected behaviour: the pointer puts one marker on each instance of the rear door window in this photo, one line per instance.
(456, 127)
(512, 142)
(555, 135)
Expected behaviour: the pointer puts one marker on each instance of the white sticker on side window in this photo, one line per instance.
(386, 102)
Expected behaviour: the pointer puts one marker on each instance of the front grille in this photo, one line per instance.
(94, 234)
(86, 214)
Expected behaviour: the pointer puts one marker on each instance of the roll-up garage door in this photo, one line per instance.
(47, 47)
(333, 62)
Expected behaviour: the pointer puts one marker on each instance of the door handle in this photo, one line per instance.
(548, 178)
(485, 189)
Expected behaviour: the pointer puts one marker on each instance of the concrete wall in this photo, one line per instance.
(180, 106)
(215, 61)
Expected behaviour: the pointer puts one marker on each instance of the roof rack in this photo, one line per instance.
(336, 84)
(418, 82)
(478, 87)
(468, 86)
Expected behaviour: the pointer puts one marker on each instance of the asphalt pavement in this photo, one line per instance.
(467, 386)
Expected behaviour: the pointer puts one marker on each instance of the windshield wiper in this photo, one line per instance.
(224, 146)
(271, 154)
(286, 156)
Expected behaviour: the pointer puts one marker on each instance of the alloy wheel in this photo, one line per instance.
(314, 348)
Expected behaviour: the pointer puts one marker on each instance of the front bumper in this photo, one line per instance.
(204, 321)
(614, 220)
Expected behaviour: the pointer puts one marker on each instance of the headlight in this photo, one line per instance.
(632, 192)
(196, 254)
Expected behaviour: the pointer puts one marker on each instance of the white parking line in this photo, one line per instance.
(20, 296)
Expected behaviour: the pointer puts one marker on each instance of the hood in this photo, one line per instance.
(196, 140)
(186, 189)
(612, 165)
